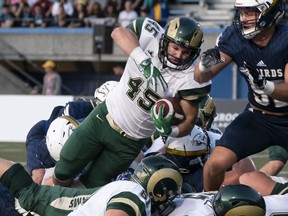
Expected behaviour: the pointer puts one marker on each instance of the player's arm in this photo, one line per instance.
(210, 65)
(190, 110)
(126, 39)
(115, 212)
(281, 90)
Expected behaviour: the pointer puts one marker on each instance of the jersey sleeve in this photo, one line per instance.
(136, 26)
(229, 42)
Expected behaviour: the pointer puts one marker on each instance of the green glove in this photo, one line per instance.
(151, 72)
(162, 125)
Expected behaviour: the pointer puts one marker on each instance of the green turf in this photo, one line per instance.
(17, 152)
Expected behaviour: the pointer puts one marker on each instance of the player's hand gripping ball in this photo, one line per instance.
(171, 107)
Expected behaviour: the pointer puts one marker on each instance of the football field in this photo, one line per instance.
(17, 152)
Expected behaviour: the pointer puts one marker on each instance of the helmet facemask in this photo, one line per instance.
(186, 33)
(267, 12)
(165, 56)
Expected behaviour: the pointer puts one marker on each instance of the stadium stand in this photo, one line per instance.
(210, 13)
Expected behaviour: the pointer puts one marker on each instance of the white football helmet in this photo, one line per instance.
(58, 132)
(194, 144)
(270, 11)
(101, 93)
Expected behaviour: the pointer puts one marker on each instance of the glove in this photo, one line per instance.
(151, 73)
(258, 83)
(162, 125)
(209, 58)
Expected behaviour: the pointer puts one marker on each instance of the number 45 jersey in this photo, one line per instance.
(130, 102)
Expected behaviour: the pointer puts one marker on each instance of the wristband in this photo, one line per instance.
(175, 131)
(203, 69)
(138, 55)
(269, 88)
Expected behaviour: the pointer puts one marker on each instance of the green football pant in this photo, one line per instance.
(101, 150)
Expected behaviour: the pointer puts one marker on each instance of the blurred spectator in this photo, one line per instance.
(79, 15)
(61, 19)
(7, 17)
(144, 13)
(45, 8)
(118, 4)
(52, 81)
(102, 3)
(95, 10)
(110, 11)
(136, 5)
(26, 17)
(39, 18)
(158, 10)
(128, 15)
(17, 10)
(147, 5)
(66, 4)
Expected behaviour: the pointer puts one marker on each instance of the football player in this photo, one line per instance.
(230, 200)
(38, 156)
(160, 64)
(234, 199)
(258, 45)
(191, 152)
(153, 186)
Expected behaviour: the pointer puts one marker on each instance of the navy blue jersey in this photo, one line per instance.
(269, 61)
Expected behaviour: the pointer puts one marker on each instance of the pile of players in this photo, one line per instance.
(91, 149)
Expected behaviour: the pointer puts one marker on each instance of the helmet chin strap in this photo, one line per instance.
(169, 64)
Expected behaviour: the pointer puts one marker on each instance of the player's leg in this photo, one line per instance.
(116, 157)
(43, 200)
(215, 167)
(243, 166)
(84, 145)
(246, 135)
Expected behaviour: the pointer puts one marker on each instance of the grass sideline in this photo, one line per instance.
(17, 152)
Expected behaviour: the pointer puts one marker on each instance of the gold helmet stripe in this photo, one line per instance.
(197, 38)
(68, 118)
(173, 28)
(246, 210)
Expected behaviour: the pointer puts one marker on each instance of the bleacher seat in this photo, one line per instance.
(210, 13)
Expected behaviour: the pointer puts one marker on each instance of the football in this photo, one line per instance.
(171, 106)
